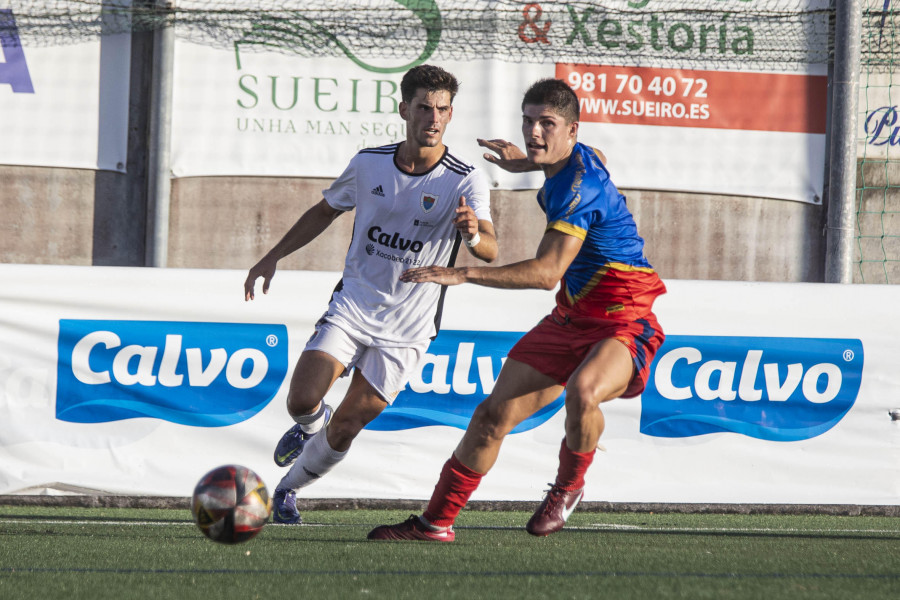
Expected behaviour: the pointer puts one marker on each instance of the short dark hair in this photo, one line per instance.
(431, 79)
(556, 94)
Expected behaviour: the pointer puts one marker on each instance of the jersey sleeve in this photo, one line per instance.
(342, 193)
(477, 190)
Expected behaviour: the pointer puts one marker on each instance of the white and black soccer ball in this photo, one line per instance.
(231, 504)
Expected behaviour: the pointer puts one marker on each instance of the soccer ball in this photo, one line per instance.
(231, 504)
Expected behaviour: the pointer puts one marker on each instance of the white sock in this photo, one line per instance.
(312, 423)
(317, 459)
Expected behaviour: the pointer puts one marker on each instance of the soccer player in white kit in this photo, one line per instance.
(415, 204)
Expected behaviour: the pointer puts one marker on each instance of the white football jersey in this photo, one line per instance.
(402, 221)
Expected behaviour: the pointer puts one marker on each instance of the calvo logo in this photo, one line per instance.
(777, 389)
(199, 374)
(458, 372)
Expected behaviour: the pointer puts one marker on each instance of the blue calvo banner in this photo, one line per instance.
(217, 374)
(457, 373)
(198, 374)
(776, 389)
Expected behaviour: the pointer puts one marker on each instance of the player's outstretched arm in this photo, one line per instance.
(509, 156)
(310, 224)
(555, 253)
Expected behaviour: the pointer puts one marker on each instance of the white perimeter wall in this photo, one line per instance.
(853, 459)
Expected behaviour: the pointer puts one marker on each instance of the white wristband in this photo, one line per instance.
(474, 241)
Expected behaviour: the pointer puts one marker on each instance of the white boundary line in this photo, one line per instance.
(591, 527)
(19, 521)
(616, 526)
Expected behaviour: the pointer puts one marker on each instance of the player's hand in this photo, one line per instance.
(265, 268)
(441, 275)
(510, 157)
(465, 221)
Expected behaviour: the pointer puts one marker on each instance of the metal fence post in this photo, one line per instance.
(841, 228)
(159, 154)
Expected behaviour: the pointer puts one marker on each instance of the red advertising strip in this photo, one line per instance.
(687, 98)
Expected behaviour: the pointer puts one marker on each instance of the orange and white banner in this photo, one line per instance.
(777, 102)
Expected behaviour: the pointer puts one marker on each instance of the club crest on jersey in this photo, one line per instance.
(428, 201)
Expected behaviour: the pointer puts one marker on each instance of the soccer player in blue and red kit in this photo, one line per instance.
(598, 341)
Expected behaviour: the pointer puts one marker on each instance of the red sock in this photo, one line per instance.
(451, 493)
(572, 467)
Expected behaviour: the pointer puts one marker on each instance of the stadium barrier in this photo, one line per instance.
(135, 382)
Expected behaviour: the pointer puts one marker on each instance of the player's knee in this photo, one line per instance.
(582, 398)
(584, 395)
(578, 405)
(301, 403)
(489, 422)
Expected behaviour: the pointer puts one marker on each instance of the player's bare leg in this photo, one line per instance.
(520, 391)
(359, 407)
(603, 375)
(313, 376)
(322, 453)
(315, 373)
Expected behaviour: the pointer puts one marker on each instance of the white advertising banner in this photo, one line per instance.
(138, 381)
(737, 126)
(64, 103)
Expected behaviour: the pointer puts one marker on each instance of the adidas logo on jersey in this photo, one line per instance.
(378, 191)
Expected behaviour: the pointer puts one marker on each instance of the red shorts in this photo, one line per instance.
(557, 346)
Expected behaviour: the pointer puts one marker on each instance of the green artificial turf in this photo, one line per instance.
(74, 553)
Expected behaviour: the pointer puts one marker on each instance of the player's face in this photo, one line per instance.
(548, 138)
(427, 116)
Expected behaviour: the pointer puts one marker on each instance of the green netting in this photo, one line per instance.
(878, 178)
(687, 33)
